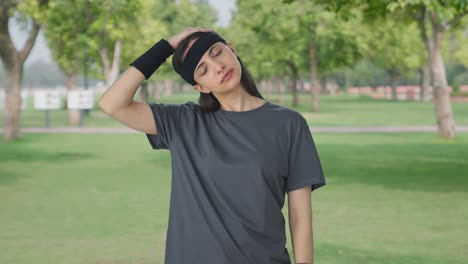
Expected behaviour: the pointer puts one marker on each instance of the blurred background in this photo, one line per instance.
(383, 85)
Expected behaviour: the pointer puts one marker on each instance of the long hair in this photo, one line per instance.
(208, 101)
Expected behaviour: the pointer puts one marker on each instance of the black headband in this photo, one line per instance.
(201, 45)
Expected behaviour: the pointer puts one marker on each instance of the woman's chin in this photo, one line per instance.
(232, 84)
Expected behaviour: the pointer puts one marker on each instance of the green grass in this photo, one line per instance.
(343, 110)
(390, 198)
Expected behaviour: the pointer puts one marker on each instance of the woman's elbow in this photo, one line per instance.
(105, 107)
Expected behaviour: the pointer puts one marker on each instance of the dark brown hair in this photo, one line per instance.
(208, 101)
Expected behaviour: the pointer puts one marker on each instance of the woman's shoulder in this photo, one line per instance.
(188, 105)
(287, 114)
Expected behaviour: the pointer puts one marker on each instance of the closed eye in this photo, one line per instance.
(217, 54)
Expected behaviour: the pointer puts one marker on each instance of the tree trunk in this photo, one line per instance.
(13, 61)
(156, 87)
(176, 88)
(111, 70)
(334, 88)
(13, 102)
(443, 106)
(73, 114)
(313, 76)
(293, 82)
(292, 87)
(144, 92)
(323, 86)
(168, 87)
(301, 85)
(422, 19)
(347, 79)
(282, 90)
(276, 86)
(394, 80)
(424, 82)
(269, 88)
(441, 98)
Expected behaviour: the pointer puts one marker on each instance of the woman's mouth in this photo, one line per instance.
(227, 76)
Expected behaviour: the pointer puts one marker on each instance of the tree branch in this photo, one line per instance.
(422, 24)
(455, 19)
(105, 59)
(117, 53)
(23, 54)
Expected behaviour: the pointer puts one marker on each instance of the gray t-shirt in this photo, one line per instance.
(230, 172)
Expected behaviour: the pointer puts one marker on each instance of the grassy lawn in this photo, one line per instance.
(390, 198)
(343, 110)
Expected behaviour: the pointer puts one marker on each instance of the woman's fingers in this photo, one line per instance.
(174, 40)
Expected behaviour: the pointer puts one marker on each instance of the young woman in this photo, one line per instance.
(234, 156)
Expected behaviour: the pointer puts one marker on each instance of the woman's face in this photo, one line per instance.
(220, 59)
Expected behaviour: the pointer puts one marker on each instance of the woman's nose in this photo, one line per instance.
(219, 65)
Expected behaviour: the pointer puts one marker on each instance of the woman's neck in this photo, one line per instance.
(238, 100)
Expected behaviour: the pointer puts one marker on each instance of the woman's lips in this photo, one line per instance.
(227, 76)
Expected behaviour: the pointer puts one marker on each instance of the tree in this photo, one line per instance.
(64, 31)
(78, 28)
(110, 24)
(395, 47)
(301, 37)
(461, 53)
(32, 12)
(435, 18)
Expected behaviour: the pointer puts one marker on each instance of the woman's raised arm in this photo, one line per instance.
(117, 101)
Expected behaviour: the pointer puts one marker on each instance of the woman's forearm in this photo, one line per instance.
(120, 94)
(122, 91)
(302, 240)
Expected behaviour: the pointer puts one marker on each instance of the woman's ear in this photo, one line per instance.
(200, 88)
(229, 44)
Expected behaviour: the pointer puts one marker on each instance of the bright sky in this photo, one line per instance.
(42, 52)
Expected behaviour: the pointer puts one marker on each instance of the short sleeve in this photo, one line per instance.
(304, 163)
(169, 120)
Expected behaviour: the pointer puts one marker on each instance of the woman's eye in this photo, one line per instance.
(206, 68)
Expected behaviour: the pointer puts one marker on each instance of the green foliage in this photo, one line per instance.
(270, 36)
(74, 26)
(280, 34)
(35, 9)
(457, 42)
(366, 73)
(64, 35)
(396, 47)
(442, 15)
(445, 12)
(341, 43)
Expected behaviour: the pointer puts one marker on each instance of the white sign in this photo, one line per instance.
(80, 99)
(24, 98)
(47, 100)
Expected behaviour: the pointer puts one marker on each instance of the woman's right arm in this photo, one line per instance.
(118, 103)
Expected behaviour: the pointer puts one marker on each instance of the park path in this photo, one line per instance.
(341, 129)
